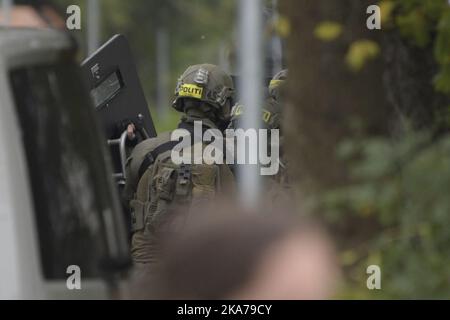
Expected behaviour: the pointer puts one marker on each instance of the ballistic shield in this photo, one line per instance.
(116, 91)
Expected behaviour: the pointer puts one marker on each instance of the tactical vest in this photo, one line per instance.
(161, 188)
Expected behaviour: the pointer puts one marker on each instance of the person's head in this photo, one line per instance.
(277, 85)
(205, 90)
(270, 114)
(228, 254)
(272, 108)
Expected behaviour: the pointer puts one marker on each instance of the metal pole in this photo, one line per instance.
(251, 66)
(93, 25)
(277, 47)
(6, 12)
(223, 60)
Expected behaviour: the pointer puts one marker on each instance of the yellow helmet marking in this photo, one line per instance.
(266, 116)
(191, 90)
(275, 83)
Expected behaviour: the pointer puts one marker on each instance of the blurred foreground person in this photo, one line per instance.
(156, 186)
(221, 255)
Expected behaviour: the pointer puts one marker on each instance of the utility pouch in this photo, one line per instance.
(137, 215)
(165, 183)
(184, 181)
(204, 179)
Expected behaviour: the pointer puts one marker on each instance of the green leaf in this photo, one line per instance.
(328, 31)
(360, 52)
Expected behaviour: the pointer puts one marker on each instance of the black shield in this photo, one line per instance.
(115, 87)
(116, 91)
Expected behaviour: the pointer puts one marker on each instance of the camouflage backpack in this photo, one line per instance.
(156, 186)
(163, 189)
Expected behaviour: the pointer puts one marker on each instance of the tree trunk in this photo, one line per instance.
(329, 103)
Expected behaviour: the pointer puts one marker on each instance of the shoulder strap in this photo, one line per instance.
(150, 157)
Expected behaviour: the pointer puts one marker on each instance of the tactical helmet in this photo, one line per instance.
(271, 111)
(207, 83)
(276, 84)
(271, 114)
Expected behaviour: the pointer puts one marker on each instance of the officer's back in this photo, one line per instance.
(156, 186)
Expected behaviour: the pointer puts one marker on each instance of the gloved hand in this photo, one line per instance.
(131, 129)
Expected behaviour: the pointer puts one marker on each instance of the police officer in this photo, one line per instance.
(156, 187)
(275, 104)
(277, 86)
(277, 187)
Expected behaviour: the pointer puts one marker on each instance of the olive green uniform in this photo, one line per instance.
(277, 188)
(157, 189)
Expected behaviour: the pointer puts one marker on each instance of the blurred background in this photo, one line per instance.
(165, 38)
(369, 115)
(366, 123)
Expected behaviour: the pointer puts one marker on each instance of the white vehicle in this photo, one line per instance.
(58, 203)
